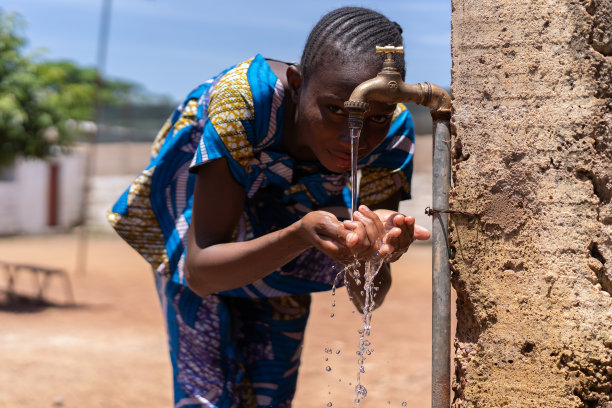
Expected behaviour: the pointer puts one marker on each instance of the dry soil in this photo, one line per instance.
(109, 348)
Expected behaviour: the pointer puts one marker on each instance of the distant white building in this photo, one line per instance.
(38, 196)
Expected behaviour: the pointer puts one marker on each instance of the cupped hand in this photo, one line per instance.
(368, 233)
(400, 232)
(324, 231)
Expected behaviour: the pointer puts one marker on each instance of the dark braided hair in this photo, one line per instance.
(350, 34)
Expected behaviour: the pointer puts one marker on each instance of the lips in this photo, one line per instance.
(342, 160)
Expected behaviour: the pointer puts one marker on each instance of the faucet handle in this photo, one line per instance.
(389, 50)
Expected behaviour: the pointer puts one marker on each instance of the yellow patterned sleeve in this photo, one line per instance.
(379, 184)
(188, 117)
(231, 104)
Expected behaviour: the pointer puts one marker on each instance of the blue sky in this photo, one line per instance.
(171, 46)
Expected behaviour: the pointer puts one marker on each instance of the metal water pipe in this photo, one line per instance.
(388, 87)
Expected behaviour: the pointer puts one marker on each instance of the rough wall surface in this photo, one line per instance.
(532, 155)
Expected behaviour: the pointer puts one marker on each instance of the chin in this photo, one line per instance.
(337, 169)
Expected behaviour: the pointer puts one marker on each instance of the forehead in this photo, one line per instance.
(340, 79)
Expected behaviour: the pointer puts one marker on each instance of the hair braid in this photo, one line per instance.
(350, 34)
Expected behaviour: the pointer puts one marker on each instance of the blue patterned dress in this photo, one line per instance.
(241, 348)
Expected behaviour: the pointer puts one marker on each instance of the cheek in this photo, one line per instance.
(373, 139)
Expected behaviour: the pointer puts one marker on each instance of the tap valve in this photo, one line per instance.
(389, 50)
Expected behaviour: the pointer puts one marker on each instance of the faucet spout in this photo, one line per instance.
(388, 87)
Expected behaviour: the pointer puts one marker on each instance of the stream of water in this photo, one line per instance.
(371, 266)
(355, 133)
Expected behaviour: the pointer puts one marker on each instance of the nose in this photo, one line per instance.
(364, 145)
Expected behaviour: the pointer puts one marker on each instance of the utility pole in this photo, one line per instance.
(90, 149)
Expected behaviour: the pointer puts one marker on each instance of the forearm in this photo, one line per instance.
(226, 266)
(356, 290)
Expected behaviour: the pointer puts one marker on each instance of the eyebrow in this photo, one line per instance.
(328, 94)
(387, 111)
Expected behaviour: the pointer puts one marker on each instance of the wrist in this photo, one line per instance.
(293, 237)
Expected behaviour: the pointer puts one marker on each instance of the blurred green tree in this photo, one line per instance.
(38, 98)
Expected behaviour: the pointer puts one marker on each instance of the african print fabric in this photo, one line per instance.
(241, 348)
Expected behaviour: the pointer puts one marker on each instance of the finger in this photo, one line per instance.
(342, 234)
(328, 225)
(403, 220)
(395, 232)
(393, 239)
(372, 232)
(356, 235)
(393, 236)
(409, 227)
(399, 220)
(376, 222)
(330, 245)
(348, 224)
(421, 233)
(386, 249)
(389, 219)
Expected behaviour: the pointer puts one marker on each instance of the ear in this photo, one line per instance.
(294, 79)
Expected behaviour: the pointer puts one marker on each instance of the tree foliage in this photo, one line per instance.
(38, 97)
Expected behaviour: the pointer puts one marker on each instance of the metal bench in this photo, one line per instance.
(41, 279)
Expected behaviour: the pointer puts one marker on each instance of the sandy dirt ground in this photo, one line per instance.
(109, 349)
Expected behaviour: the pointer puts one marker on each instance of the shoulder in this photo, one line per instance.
(241, 115)
(401, 123)
(242, 85)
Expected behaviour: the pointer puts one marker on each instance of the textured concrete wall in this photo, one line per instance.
(532, 154)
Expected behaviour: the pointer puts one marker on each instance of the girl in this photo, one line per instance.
(243, 209)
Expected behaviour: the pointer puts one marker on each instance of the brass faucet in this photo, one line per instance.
(388, 87)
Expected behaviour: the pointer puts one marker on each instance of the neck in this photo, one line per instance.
(289, 137)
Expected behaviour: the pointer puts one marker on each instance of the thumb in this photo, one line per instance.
(421, 233)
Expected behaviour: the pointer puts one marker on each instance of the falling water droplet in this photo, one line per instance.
(404, 404)
(361, 391)
(329, 404)
(328, 368)
(331, 315)
(337, 351)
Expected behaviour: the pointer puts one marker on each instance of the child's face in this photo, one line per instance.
(322, 124)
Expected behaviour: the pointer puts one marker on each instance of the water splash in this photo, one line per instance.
(371, 268)
(360, 393)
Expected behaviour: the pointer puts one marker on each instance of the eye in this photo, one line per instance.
(380, 119)
(335, 109)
